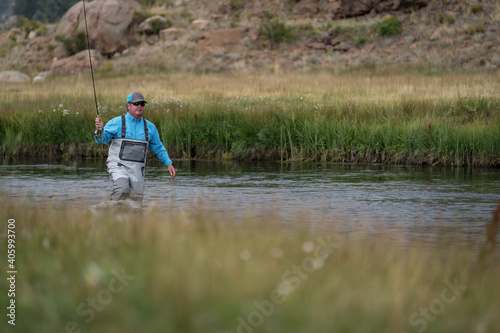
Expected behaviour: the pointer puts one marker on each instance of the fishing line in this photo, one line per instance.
(97, 132)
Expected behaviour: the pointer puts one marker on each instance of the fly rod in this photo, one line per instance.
(97, 132)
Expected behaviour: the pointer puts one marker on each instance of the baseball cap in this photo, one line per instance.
(135, 97)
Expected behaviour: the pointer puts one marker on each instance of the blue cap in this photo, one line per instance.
(135, 97)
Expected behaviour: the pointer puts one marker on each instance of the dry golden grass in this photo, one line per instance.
(331, 87)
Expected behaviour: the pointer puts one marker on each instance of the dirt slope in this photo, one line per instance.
(445, 35)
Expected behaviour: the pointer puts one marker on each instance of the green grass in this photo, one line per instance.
(464, 131)
(276, 31)
(389, 26)
(202, 271)
(346, 118)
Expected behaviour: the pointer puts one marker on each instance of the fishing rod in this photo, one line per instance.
(97, 132)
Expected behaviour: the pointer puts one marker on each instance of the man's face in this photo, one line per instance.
(136, 109)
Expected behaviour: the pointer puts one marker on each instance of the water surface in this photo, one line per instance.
(317, 196)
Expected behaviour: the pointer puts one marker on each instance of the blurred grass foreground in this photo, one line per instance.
(203, 271)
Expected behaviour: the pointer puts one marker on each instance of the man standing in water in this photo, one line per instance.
(131, 136)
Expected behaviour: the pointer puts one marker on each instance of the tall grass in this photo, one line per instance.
(202, 271)
(365, 120)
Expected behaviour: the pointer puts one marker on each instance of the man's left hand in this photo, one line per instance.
(171, 169)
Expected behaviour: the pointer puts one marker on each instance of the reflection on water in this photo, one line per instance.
(318, 195)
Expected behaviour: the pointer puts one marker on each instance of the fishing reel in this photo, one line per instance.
(98, 132)
(98, 135)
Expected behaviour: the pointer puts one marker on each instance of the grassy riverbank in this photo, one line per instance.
(394, 119)
(202, 271)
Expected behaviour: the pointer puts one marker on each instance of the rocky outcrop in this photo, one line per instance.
(110, 24)
(346, 8)
(192, 44)
(79, 63)
(338, 9)
(14, 77)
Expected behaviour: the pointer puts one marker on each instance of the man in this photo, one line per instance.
(131, 137)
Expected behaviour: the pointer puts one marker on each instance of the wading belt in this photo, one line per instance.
(124, 128)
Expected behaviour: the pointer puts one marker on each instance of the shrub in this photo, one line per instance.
(389, 26)
(326, 26)
(276, 31)
(476, 8)
(235, 21)
(306, 30)
(444, 18)
(356, 33)
(361, 40)
(41, 31)
(140, 15)
(105, 69)
(28, 25)
(476, 29)
(157, 25)
(150, 3)
(73, 45)
(270, 14)
(237, 5)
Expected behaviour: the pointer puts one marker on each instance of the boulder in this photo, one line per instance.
(41, 77)
(110, 24)
(170, 34)
(201, 24)
(14, 77)
(79, 63)
(32, 35)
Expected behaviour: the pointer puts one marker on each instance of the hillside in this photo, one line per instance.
(284, 35)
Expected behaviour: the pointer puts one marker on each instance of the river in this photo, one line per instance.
(418, 200)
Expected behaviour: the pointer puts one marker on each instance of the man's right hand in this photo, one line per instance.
(98, 123)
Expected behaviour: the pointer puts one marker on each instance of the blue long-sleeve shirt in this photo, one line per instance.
(135, 130)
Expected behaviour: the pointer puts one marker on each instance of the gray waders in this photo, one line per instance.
(126, 166)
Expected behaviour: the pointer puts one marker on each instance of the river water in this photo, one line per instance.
(418, 200)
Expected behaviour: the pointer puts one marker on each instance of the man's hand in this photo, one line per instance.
(171, 169)
(98, 123)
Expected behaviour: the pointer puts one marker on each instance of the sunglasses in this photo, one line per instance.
(138, 103)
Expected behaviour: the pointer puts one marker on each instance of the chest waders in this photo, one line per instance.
(126, 165)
